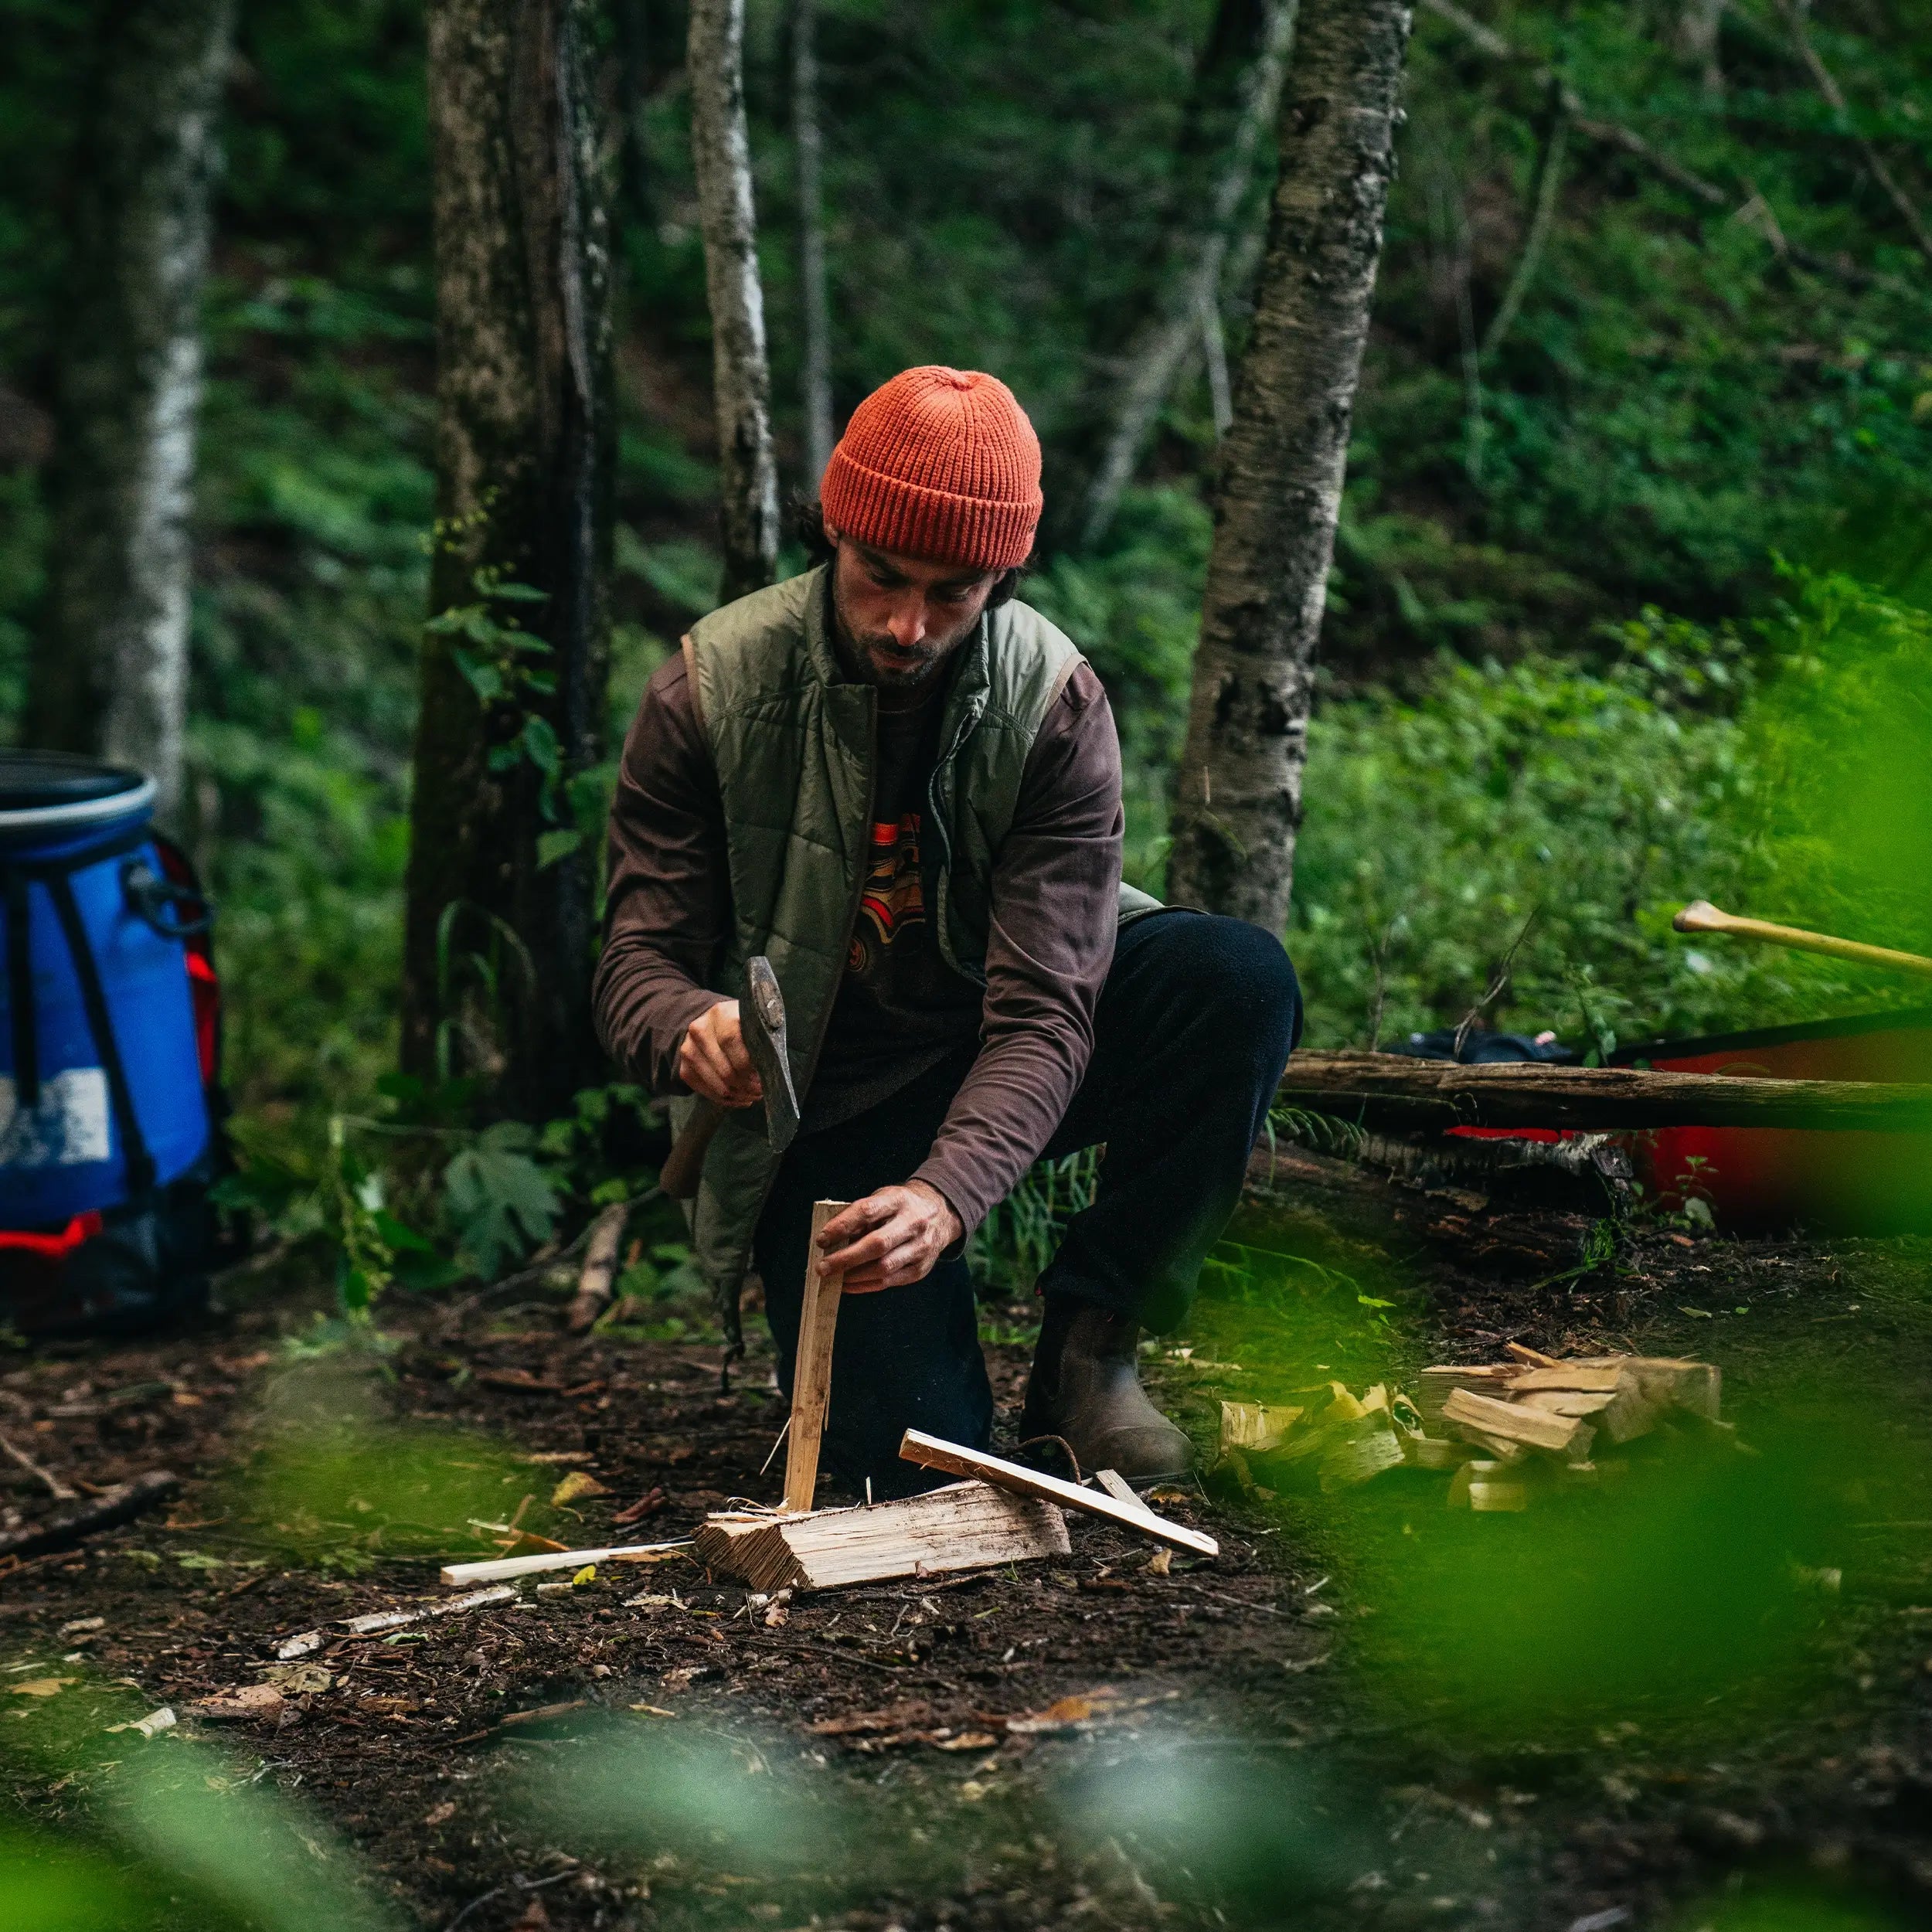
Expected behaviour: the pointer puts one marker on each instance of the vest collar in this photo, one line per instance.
(971, 679)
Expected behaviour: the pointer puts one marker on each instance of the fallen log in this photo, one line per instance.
(1393, 1090)
(119, 1505)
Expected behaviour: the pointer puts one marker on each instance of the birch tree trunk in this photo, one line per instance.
(1195, 255)
(814, 290)
(741, 376)
(112, 676)
(1699, 29)
(1238, 793)
(499, 934)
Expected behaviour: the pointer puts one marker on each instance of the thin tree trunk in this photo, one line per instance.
(1195, 254)
(1238, 792)
(741, 376)
(1543, 195)
(112, 677)
(1699, 29)
(1826, 85)
(499, 933)
(814, 289)
(632, 21)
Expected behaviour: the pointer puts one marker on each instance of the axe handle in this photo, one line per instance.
(1702, 916)
(679, 1177)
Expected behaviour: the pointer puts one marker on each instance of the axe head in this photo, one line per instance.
(761, 1018)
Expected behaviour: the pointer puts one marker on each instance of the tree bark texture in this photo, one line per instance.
(741, 375)
(1238, 793)
(813, 288)
(111, 678)
(499, 944)
(1196, 252)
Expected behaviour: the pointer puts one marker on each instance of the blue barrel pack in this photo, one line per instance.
(101, 1094)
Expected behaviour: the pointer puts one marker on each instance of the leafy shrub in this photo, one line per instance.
(1575, 808)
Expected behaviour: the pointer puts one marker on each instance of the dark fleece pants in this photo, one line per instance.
(1195, 1024)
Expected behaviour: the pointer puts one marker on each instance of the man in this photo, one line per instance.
(903, 786)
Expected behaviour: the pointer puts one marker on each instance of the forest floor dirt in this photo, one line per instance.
(1701, 1697)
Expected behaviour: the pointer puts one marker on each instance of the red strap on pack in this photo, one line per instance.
(82, 1227)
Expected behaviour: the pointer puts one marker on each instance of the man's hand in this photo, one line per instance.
(712, 1061)
(890, 1238)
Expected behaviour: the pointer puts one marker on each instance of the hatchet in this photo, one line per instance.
(761, 1018)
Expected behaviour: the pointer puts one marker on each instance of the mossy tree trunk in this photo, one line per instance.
(500, 932)
(111, 676)
(741, 375)
(1237, 800)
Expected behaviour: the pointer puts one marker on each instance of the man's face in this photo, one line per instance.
(901, 618)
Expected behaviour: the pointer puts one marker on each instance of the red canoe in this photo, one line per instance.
(1761, 1178)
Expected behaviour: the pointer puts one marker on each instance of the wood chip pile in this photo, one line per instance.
(1497, 1430)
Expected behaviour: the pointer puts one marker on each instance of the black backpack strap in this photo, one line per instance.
(94, 1000)
(20, 1006)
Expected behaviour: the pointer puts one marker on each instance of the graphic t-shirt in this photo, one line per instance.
(900, 1007)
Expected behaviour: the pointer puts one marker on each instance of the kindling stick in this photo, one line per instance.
(933, 1453)
(499, 1568)
(811, 1366)
(1702, 916)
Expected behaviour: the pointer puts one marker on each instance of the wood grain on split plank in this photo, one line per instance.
(958, 1460)
(812, 1365)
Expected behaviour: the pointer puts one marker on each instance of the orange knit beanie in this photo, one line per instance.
(939, 464)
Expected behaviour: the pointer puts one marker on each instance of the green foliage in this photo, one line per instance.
(498, 1202)
(1011, 1248)
(1579, 807)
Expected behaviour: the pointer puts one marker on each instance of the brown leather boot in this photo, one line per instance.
(1085, 1388)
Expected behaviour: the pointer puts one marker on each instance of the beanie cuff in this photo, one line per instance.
(914, 519)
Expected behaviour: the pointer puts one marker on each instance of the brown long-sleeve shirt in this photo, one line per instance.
(1055, 911)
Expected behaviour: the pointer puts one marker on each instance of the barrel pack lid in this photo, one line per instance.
(55, 788)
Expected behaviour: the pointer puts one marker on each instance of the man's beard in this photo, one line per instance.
(877, 658)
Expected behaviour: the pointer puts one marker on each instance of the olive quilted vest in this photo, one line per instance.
(793, 741)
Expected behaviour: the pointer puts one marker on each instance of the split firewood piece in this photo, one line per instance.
(1256, 1425)
(965, 1525)
(600, 1273)
(1624, 1412)
(1535, 1357)
(1515, 1422)
(1576, 1377)
(1488, 1487)
(500, 1569)
(1433, 1386)
(1357, 1458)
(811, 1366)
(120, 1504)
(1671, 1382)
(1117, 1486)
(933, 1453)
(1434, 1452)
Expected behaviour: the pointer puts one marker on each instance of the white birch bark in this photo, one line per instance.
(741, 374)
(1238, 793)
(814, 287)
(1154, 361)
(114, 679)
